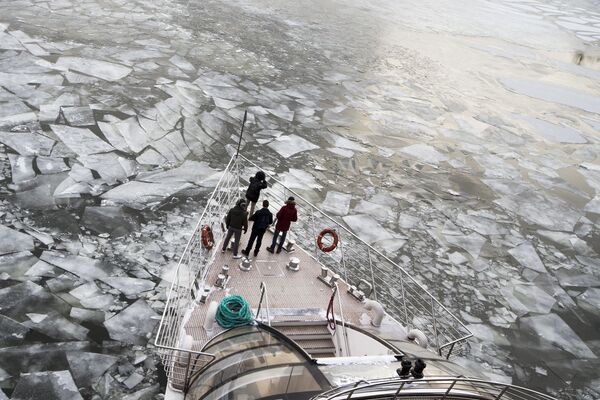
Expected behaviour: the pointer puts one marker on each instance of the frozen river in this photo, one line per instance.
(460, 138)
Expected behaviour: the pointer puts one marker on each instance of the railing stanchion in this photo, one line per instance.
(449, 389)
(435, 330)
(314, 233)
(501, 393)
(399, 390)
(406, 321)
(372, 274)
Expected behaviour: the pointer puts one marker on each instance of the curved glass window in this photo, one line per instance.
(254, 363)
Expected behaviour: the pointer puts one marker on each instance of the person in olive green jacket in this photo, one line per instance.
(236, 220)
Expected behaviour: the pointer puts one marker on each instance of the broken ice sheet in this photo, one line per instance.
(299, 179)
(480, 224)
(472, 243)
(21, 168)
(107, 165)
(57, 327)
(27, 144)
(97, 68)
(82, 141)
(289, 145)
(536, 208)
(46, 385)
(554, 333)
(554, 133)
(51, 165)
(88, 367)
(424, 153)
(526, 255)
(13, 241)
(90, 296)
(365, 227)
(129, 286)
(12, 333)
(553, 93)
(337, 203)
(182, 63)
(84, 267)
(133, 324)
(140, 195)
(524, 299)
(78, 116)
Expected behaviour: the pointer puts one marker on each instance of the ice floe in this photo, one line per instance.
(133, 324)
(553, 93)
(555, 333)
(526, 255)
(96, 68)
(424, 153)
(365, 227)
(472, 243)
(555, 133)
(82, 141)
(48, 384)
(12, 241)
(289, 145)
(337, 203)
(129, 286)
(84, 267)
(88, 367)
(58, 327)
(27, 144)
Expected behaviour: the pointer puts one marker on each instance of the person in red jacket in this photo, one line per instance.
(285, 216)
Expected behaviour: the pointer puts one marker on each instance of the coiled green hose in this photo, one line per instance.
(233, 311)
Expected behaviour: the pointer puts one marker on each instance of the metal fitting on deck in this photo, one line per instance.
(377, 310)
(223, 277)
(289, 246)
(294, 264)
(326, 278)
(246, 264)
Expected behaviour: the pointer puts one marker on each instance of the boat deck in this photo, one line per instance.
(292, 295)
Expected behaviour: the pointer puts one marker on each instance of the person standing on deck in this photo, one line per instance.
(285, 216)
(257, 182)
(236, 220)
(262, 219)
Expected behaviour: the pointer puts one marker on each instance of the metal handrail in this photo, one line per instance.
(180, 295)
(192, 269)
(264, 294)
(436, 387)
(466, 333)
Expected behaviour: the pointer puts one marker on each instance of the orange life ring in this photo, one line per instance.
(333, 245)
(208, 241)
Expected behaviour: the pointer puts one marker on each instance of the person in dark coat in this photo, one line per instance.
(257, 183)
(236, 220)
(285, 216)
(262, 219)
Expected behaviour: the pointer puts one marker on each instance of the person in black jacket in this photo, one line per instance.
(257, 182)
(262, 219)
(236, 220)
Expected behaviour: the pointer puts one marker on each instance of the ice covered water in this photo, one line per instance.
(477, 166)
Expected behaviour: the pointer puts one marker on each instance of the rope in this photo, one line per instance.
(233, 311)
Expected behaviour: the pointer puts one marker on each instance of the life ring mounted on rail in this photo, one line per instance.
(208, 240)
(334, 237)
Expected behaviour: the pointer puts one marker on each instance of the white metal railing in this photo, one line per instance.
(438, 388)
(180, 359)
(403, 297)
